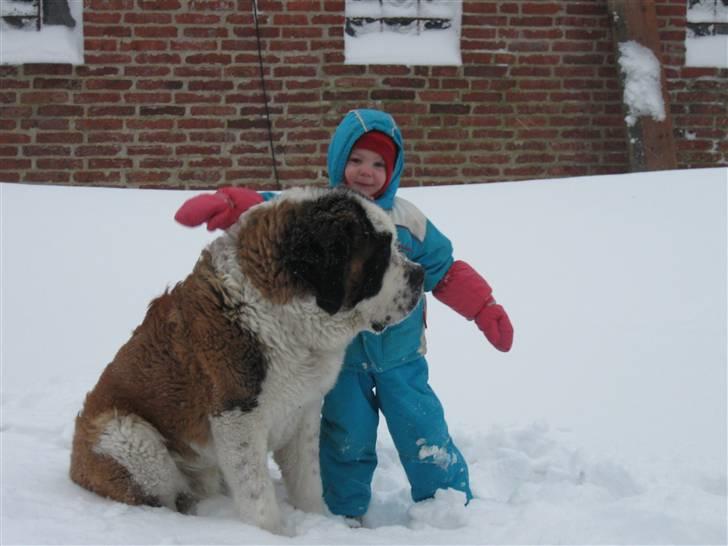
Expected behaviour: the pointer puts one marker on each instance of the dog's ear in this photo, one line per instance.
(373, 260)
(316, 253)
(322, 266)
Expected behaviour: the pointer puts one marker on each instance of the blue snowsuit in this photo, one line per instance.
(388, 372)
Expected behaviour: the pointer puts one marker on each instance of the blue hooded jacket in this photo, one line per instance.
(418, 239)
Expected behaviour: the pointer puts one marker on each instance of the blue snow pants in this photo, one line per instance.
(416, 422)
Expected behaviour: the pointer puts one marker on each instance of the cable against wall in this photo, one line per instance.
(265, 95)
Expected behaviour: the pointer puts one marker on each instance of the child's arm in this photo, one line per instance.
(454, 283)
(220, 209)
(466, 292)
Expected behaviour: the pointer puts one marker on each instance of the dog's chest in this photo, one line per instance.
(291, 389)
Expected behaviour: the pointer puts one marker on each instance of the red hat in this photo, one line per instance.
(378, 142)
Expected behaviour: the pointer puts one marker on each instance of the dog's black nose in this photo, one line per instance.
(416, 277)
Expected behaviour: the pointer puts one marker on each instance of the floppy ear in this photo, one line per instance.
(322, 268)
(366, 279)
(317, 254)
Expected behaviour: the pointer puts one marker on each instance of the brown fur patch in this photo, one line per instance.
(260, 253)
(187, 360)
(102, 475)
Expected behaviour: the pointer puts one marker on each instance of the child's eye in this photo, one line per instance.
(380, 165)
(354, 160)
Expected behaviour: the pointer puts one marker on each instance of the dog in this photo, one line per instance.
(233, 362)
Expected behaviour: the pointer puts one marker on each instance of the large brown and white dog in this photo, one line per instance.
(233, 362)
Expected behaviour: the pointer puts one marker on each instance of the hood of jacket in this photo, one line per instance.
(354, 125)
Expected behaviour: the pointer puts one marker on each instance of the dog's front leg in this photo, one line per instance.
(299, 462)
(242, 452)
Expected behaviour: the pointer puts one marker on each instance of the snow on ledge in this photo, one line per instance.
(52, 44)
(708, 12)
(708, 51)
(432, 48)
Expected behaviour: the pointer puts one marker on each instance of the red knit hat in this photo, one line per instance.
(376, 141)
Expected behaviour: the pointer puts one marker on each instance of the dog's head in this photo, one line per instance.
(337, 247)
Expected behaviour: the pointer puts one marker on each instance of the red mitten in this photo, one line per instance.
(465, 291)
(493, 321)
(220, 209)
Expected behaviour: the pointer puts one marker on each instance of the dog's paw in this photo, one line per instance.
(307, 495)
(267, 518)
(309, 501)
(275, 528)
(186, 503)
(272, 525)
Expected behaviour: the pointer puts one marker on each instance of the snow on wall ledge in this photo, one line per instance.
(411, 44)
(706, 51)
(437, 48)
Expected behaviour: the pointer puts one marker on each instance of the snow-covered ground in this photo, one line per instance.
(606, 423)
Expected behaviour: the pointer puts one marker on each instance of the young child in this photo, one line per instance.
(384, 373)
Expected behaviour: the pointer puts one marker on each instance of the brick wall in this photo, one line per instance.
(170, 96)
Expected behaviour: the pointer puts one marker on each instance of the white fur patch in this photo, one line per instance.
(140, 448)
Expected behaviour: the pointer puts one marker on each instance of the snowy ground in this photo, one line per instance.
(606, 424)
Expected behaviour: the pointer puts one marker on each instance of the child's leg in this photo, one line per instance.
(417, 424)
(348, 443)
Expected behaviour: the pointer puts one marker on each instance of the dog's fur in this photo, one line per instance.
(233, 362)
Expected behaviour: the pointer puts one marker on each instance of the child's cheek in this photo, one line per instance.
(347, 175)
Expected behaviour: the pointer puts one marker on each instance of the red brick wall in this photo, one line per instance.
(170, 96)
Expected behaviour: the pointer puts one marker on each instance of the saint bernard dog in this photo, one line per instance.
(234, 361)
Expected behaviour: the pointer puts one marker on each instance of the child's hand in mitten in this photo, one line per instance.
(220, 209)
(493, 321)
(465, 291)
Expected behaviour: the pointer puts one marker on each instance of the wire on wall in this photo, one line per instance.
(265, 96)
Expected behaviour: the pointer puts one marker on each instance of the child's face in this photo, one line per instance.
(365, 172)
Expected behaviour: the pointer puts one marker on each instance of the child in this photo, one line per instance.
(386, 372)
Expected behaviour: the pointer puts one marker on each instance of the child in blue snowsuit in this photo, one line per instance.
(388, 373)
(385, 372)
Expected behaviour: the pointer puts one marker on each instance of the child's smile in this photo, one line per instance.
(365, 172)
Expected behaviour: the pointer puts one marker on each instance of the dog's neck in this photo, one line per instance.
(297, 321)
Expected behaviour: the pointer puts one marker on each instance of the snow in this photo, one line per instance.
(431, 47)
(642, 89)
(707, 51)
(708, 11)
(52, 44)
(606, 423)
